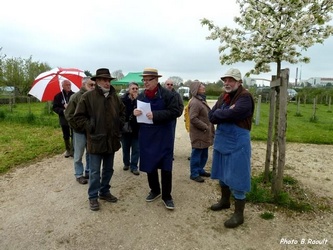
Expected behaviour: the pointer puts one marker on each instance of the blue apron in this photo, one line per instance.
(156, 142)
(232, 156)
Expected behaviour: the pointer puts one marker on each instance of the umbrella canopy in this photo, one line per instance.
(130, 77)
(48, 84)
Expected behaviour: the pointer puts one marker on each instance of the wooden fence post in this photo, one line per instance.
(274, 82)
(258, 110)
(314, 117)
(329, 103)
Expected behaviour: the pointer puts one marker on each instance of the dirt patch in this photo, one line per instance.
(43, 207)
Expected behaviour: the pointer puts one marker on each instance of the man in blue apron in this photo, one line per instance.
(231, 165)
(156, 140)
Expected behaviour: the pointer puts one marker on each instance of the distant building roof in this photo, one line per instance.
(7, 88)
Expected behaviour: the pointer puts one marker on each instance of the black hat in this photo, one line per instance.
(102, 73)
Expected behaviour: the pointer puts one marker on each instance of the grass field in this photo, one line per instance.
(31, 131)
(302, 127)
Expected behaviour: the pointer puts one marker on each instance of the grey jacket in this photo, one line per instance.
(70, 110)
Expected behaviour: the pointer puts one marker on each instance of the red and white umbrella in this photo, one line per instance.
(48, 84)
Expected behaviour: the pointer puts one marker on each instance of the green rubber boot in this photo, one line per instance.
(238, 217)
(224, 202)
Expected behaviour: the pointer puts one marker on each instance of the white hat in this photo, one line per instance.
(233, 73)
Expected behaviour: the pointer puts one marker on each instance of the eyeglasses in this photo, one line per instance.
(148, 80)
(134, 88)
(169, 84)
(91, 84)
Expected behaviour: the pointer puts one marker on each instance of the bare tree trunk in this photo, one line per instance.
(298, 112)
(275, 141)
(282, 131)
(314, 109)
(11, 104)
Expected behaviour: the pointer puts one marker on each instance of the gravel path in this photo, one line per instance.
(43, 207)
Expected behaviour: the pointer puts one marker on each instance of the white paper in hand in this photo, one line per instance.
(145, 108)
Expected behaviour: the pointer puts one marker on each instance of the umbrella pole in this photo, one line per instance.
(63, 96)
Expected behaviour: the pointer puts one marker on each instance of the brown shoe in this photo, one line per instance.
(81, 180)
(198, 179)
(108, 197)
(205, 174)
(94, 205)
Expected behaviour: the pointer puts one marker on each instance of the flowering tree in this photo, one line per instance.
(176, 80)
(273, 31)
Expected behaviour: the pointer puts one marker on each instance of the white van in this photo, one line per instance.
(184, 92)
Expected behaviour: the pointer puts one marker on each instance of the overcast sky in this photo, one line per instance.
(130, 35)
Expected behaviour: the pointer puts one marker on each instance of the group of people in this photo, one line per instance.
(103, 123)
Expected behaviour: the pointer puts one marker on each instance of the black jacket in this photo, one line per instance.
(58, 105)
(172, 109)
(130, 106)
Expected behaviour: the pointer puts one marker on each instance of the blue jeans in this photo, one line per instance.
(199, 157)
(100, 182)
(79, 143)
(129, 142)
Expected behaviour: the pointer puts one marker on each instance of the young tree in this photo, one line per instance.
(176, 80)
(31, 70)
(2, 57)
(118, 74)
(21, 73)
(273, 31)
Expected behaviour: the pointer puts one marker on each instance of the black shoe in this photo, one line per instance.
(151, 196)
(82, 180)
(67, 154)
(135, 172)
(169, 204)
(94, 205)
(86, 175)
(108, 197)
(126, 168)
(205, 174)
(198, 179)
(189, 158)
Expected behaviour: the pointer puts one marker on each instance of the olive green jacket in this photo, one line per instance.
(102, 118)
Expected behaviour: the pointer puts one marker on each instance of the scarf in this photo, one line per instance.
(226, 99)
(203, 97)
(151, 93)
(105, 91)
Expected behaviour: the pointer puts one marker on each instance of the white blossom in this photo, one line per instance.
(273, 31)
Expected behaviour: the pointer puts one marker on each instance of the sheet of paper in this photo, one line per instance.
(145, 108)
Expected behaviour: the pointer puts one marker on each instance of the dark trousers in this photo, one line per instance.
(67, 132)
(154, 184)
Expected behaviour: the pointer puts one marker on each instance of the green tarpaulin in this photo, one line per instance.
(130, 77)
